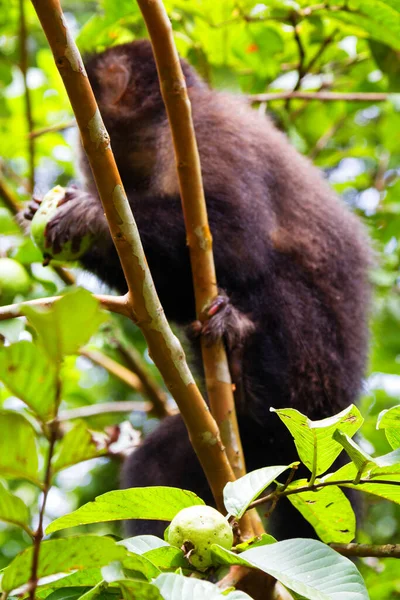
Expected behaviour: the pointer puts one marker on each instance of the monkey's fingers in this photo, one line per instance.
(32, 208)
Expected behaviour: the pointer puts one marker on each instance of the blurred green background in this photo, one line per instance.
(242, 46)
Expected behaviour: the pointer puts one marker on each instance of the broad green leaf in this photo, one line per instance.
(240, 493)
(262, 540)
(95, 592)
(157, 551)
(12, 509)
(143, 543)
(158, 503)
(178, 587)
(133, 590)
(83, 579)
(69, 593)
(141, 564)
(308, 567)
(370, 481)
(76, 446)
(327, 510)
(313, 439)
(63, 556)
(30, 375)
(389, 420)
(18, 451)
(360, 458)
(68, 324)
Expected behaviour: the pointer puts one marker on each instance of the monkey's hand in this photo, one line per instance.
(78, 214)
(224, 322)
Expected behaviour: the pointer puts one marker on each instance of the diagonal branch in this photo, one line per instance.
(142, 304)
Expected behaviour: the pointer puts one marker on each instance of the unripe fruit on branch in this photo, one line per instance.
(71, 249)
(13, 280)
(195, 529)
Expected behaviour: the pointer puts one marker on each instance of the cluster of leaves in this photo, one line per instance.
(240, 45)
(146, 567)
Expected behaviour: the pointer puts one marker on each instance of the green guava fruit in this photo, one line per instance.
(195, 528)
(46, 211)
(13, 279)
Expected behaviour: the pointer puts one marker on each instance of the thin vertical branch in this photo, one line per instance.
(23, 64)
(39, 533)
(199, 239)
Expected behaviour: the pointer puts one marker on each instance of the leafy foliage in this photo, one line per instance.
(344, 46)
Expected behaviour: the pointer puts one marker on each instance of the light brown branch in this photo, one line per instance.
(377, 551)
(52, 129)
(83, 412)
(150, 387)
(198, 235)
(321, 96)
(9, 198)
(142, 301)
(116, 304)
(23, 40)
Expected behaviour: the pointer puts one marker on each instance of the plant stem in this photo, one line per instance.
(321, 96)
(23, 39)
(377, 551)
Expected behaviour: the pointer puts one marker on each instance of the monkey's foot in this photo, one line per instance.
(31, 208)
(224, 322)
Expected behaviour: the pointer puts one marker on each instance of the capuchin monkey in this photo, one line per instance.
(291, 263)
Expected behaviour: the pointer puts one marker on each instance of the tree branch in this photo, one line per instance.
(142, 303)
(129, 377)
(23, 39)
(104, 408)
(377, 551)
(198, 235)
(52, 129)
(150, 387)
(321, 96)
(116, 304)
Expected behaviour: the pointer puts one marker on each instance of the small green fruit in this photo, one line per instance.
(13, 279)
(195, 528)
(47, 210)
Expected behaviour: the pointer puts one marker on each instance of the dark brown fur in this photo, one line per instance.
(289, 256)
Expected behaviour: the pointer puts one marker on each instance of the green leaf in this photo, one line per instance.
(82, 579)
(240, 493)
(360, 458)
(76, 446)
(178, 587)
(158, 503)
(12, 509)
(95, 592)
(389, 420)
(18, 451)
(157, 551)
(327, 510)
(62, 556)
(30, 376)
(388, 471)
(68, 324)
(313, 439)
(132, 590)
(308, 567)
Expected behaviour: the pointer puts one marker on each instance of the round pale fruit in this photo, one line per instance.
(46, 211)
(195, 528)
(13, 279)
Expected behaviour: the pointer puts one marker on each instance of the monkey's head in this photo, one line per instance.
(125, 82)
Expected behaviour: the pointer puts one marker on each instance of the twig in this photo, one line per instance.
(113, 367)
(9, 198)
(317, 486)
(377, 551)
(150, 387)
(23, 38)
(116, 304)
(104, 408)
(51, 129)
(39, 534)
(321, 96)
(142, 304)
(198, 235)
